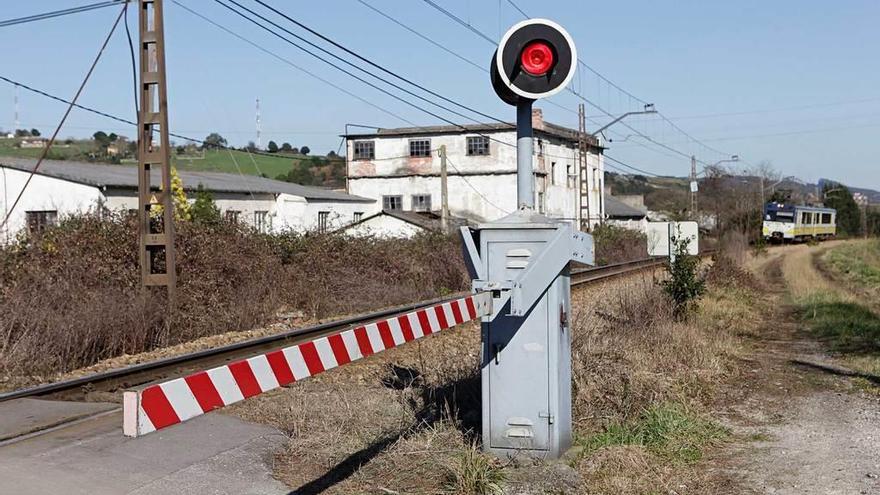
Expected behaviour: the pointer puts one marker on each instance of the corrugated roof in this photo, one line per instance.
(125, 176)
(548, 128)
(615, 208)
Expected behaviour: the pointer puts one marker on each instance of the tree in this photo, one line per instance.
(251, 146)
(272, 147)
(215, 140)
(22, 133)
(849, 216)
(112, 136)
(286, 147)
(204, 210)
(35, 132)
(332, 154)
(305, 150)
(101, 138)
(301, 174)
(178, 197)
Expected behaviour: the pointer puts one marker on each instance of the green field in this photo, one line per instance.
(232, 161)
(228, 161)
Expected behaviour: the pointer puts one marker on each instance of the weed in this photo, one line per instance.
(474, 473)
(667, 430)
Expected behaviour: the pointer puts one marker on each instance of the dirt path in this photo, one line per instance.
(811, 433)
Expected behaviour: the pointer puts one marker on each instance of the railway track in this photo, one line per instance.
(171, 367)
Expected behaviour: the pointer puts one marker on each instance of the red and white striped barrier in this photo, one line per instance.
(165, 404)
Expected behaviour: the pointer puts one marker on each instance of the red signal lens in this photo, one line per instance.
(537, 58)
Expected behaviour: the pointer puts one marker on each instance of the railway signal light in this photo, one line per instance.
(535, 59)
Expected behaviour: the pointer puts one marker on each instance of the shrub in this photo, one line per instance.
(685, 284)
(616, 244)
(72, 296)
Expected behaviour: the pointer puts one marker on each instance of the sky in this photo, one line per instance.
(795, 83)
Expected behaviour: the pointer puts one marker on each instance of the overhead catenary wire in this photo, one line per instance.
(480, 194)
(60, 13)
(70, 107)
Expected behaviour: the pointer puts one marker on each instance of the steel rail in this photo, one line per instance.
(142, 373)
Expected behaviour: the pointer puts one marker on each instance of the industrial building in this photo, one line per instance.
(400, 169)
(66, 187)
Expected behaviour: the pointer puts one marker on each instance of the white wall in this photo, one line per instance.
(303, 215)
(488, 195)
(384, 226)
(637, 225)
(42, 194)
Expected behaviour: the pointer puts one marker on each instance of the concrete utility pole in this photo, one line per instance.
(259, 127)
(444, 192)
(694, 187)
(156, 238)
(583, 185)
(17, 123)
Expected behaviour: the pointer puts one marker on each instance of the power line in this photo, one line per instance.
(63, 119)
(614, 160)
(336, 66)
(364, 59)
(59, 13)
(288, 62)
(466, 181)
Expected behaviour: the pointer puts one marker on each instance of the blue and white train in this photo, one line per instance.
(786, 222)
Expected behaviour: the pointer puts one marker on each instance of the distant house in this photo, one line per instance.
(625, 212)
(66, 187)
(397, 223)
(33, 142)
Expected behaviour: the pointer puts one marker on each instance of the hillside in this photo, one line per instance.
(302, 169)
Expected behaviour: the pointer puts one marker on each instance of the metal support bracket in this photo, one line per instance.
(472, 259)
(566, 245)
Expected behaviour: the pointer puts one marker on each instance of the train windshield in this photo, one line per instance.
(779, 216)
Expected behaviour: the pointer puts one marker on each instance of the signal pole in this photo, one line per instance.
(155, 231)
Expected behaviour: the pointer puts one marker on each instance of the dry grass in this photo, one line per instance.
(72, 297)
(643, 381)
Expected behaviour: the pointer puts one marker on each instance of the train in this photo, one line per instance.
(787, 222)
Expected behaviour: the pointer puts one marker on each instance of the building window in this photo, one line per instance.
(478, 146)
(364, 150)
(358, 216)
(541, 202)
(552, 173)
(826, 218)
(232, 216)
(421, 202)
(262, 222)
(38, 221)
(419, 147)
(392, 202)
(323, 221)
(569, 177)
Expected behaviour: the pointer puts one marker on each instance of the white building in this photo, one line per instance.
(64, 187)
(401, 169)
(628, 212)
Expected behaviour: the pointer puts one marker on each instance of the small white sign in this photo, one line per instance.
(694, 186)
(659, 234)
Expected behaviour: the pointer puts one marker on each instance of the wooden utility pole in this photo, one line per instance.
(155, 230)
(444, 192)
(583, 172)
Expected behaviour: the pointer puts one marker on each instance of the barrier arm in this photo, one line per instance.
(168, 403)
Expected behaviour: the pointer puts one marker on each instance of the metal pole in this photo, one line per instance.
(444, 193)
(525, 176)
(583, 185)
(692, 185)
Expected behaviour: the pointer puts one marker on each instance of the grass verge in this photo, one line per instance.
(851, 330)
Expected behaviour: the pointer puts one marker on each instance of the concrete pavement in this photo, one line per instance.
(212, 454)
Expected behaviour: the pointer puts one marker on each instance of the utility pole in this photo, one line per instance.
(694, 188)
(259, 127)
(15, 99)
(444, 192)
(155, 231)
(583, 172)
